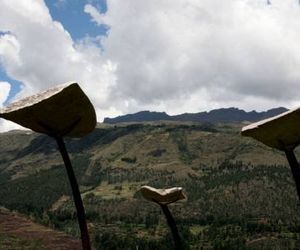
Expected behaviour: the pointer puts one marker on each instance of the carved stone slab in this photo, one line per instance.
(281, 131)
(64, 110)
(163, 196)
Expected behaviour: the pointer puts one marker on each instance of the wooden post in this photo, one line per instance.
(172, 224)
(290, 155)
(85, 239)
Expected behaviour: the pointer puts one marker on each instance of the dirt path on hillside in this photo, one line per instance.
(15, 225)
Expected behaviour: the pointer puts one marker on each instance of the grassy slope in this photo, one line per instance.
(18, 232)
(235, 186)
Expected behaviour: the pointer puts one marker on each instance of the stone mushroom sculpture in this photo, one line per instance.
(164, 197)
(281, 132)
(58, 112)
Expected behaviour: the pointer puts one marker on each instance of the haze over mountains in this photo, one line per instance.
(216, 115)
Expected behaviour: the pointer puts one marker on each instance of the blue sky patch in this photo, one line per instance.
(72, 16)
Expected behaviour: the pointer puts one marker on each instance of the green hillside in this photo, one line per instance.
(240, 193)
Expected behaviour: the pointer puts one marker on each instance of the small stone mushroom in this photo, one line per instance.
(61, 111)
(281, 132)
(164, 197)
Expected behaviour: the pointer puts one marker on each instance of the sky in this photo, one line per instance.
(174, 55)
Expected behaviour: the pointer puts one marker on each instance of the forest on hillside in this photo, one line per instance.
(240, 194)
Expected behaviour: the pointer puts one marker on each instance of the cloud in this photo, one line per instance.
(9, 49)
(4, 92)
(96, 16)
(8, 125)
(203, 54)
(172, 55)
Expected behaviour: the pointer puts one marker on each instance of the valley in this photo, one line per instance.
(241, 194)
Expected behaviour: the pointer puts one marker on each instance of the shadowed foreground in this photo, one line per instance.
(17, 232)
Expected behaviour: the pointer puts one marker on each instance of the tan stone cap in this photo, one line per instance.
(281, 131)
(163, 196)
(64, 110)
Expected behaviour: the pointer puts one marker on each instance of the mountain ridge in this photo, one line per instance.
(217, 115)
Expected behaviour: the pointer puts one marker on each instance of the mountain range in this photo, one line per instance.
(216, 115)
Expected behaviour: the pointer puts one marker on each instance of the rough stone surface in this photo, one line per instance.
(281, 132)
(64, 110)
(163, 196)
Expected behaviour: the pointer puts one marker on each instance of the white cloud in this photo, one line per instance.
(8, 125)
(4, 92)
(9, 50)
(203, 54)
(172, 55)
(96, 16)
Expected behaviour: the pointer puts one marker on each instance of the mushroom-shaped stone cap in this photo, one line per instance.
(61, 111)
(162, 196)
(281, 131)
